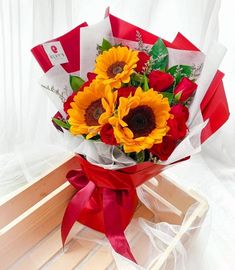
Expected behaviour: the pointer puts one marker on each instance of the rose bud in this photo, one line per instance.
(107, 135)
(163, 150)
(159, 80)
(185, 89)
(177, 124)
(143, 59)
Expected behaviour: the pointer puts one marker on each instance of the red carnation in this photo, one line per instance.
(163, 150)
(185, 89)
(143, 59)
(178, 127)
(107, 135)
(160, 81)
(67, 103)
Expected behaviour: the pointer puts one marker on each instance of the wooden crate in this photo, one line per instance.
(30, 223)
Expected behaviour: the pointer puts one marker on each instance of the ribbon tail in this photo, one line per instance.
(113, 225)
(74, 209)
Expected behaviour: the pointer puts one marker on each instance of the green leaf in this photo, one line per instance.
(75, 82)
(168, 95)
(61, 123)
(140, 157)
(146, 85)
(180, 71)
(159, 54)
(178, 96)
(106, 45)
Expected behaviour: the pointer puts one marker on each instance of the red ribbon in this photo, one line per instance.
(112, 201)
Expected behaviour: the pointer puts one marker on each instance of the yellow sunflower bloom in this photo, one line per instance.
(91, 109)
(116, 65)
(141, 120)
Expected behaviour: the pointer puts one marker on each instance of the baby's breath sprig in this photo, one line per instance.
(141, 46)
(196, 71)
(56, 92)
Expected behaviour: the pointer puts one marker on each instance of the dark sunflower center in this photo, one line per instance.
(141, 121)
(93, 112)
(115, 68)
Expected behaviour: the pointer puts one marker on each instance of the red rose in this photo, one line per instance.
(67, 103)
(126, 91)
(185, 89)
(163, 150)
(160, 81)
(107, 135)
(90, 76)
(178, 127)
(143, 59)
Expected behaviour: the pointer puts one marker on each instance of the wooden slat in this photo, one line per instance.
(29, 195)
(102, 258)
(44, 250)
(51, 245)
(32, 226)
(78, 252)
(174, 194)
(147, 187)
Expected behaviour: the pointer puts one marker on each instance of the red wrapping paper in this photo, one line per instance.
(70, 43)
(106, 199)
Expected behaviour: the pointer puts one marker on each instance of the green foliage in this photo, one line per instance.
(180, 71)
(159, 54)
(178, 96)
(105, 46)
(168, 95)
(146, 85)
(140, 80)
(61, 123)
(75, 82)
(140, 157)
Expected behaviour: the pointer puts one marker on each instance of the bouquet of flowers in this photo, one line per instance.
(134, 104)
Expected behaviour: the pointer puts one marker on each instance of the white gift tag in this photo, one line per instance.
(55, 53)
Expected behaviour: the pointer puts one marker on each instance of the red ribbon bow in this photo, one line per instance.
(99, 199)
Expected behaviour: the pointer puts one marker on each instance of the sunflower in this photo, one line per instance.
(116, 65)
(141, 120)
(91, 109)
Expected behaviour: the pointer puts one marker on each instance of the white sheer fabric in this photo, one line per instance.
(29, 144)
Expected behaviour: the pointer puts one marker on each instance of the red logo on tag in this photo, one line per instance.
(55, 52)
(54, 49)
